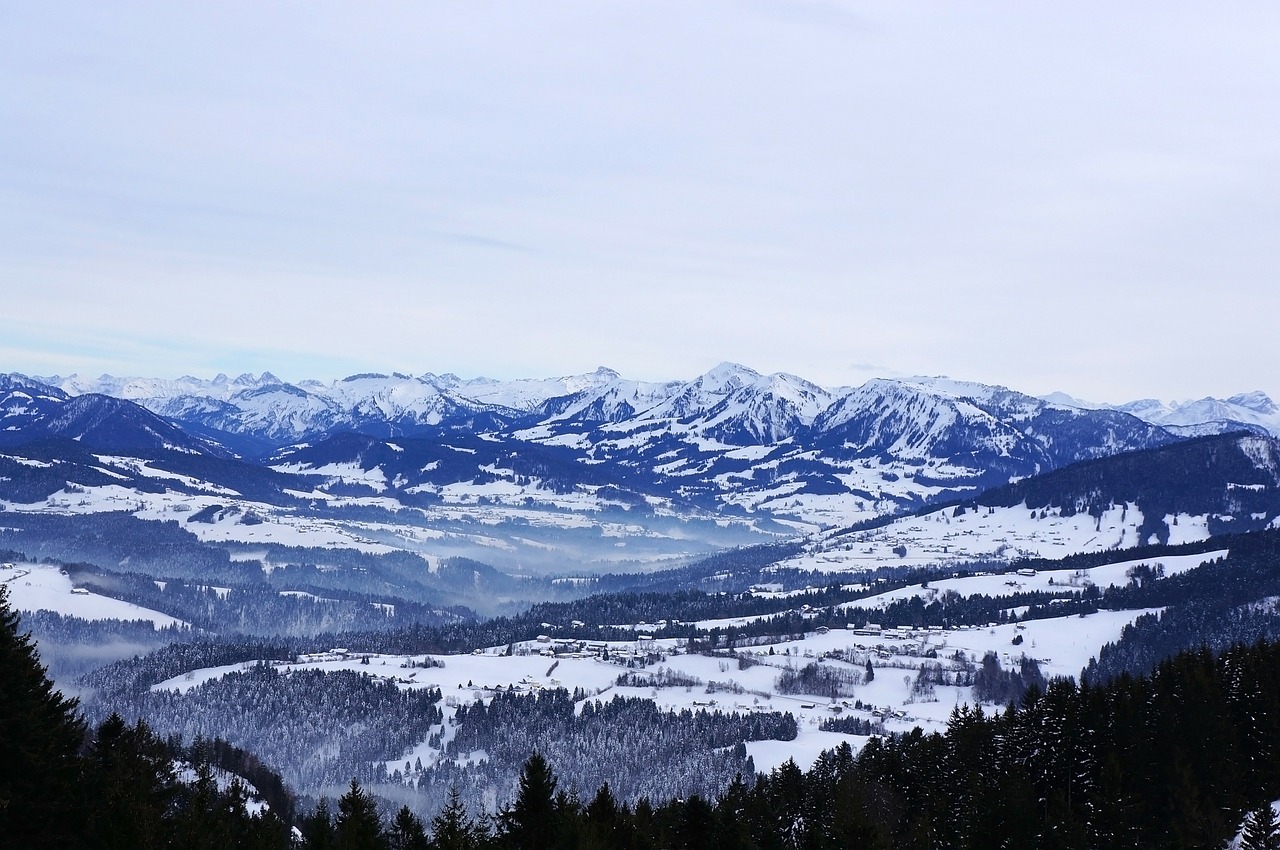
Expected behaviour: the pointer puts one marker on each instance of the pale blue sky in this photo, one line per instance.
(1079, 196)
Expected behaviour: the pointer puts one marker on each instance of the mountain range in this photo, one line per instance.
(595, 470)
(1251, 411)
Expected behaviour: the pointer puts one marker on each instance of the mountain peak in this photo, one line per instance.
(1068, 400)
(728, 376)
(1257, 401)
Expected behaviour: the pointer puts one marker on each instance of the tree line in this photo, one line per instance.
(1175, 760)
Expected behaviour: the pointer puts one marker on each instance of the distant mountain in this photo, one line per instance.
(269, 413)
(980, 427)
(732, 439)
(1253, 412)
(24, 404)
(32, 411)
(598, 472)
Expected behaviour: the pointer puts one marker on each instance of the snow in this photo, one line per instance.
(1237, 842)
(1048, 581)
(1003, 533)
(254, 805)
(347, 473)
(139, 467)
(41, 587)
(1063, 646)
(804, 750)
(195, 678)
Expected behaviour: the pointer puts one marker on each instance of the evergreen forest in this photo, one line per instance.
(1176, 759)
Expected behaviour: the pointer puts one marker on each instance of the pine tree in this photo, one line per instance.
(603, 826)
(197, 825)
(452, 829)
(134, 789)
(317, 828)
(731, 814)
(41, 733)
(1261, 831)
(531, 822)
(358, 826)
(407, 832)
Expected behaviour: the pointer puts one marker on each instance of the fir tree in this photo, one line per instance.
(41, 733)
(1261, 831)
(452, 829)
(317, 828)
(531, 823)
(358, 826)
(603, 826)
(407, 832)
(134, 789)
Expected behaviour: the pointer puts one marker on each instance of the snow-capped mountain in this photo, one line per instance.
(738, 406)
(978, 426)
(1252, 411)
(24, 403)
(611, 472)
(270, 412)
(731, 438)
(1245, 409)
(32, 411)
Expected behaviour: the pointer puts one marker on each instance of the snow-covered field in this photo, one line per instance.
(1048, 581)
(41, 587)
(941, 536)
(499, 521)
(1063, 646)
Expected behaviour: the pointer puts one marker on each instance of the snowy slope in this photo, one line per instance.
(42, 587)
(1062, 645)
(773, 453)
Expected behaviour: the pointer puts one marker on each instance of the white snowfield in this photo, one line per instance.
(475, 515)
(1063, 646)
(994, 585)
(42, 587)
(481, 516)
(942, 536)
(1048, 581)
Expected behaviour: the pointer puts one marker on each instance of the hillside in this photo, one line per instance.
(581, 474)
(1185, 492)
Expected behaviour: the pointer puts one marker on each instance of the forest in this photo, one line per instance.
(1175, 759)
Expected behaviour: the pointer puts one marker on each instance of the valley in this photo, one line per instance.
(415, 581)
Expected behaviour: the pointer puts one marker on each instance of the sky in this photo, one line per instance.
(1080, 196)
